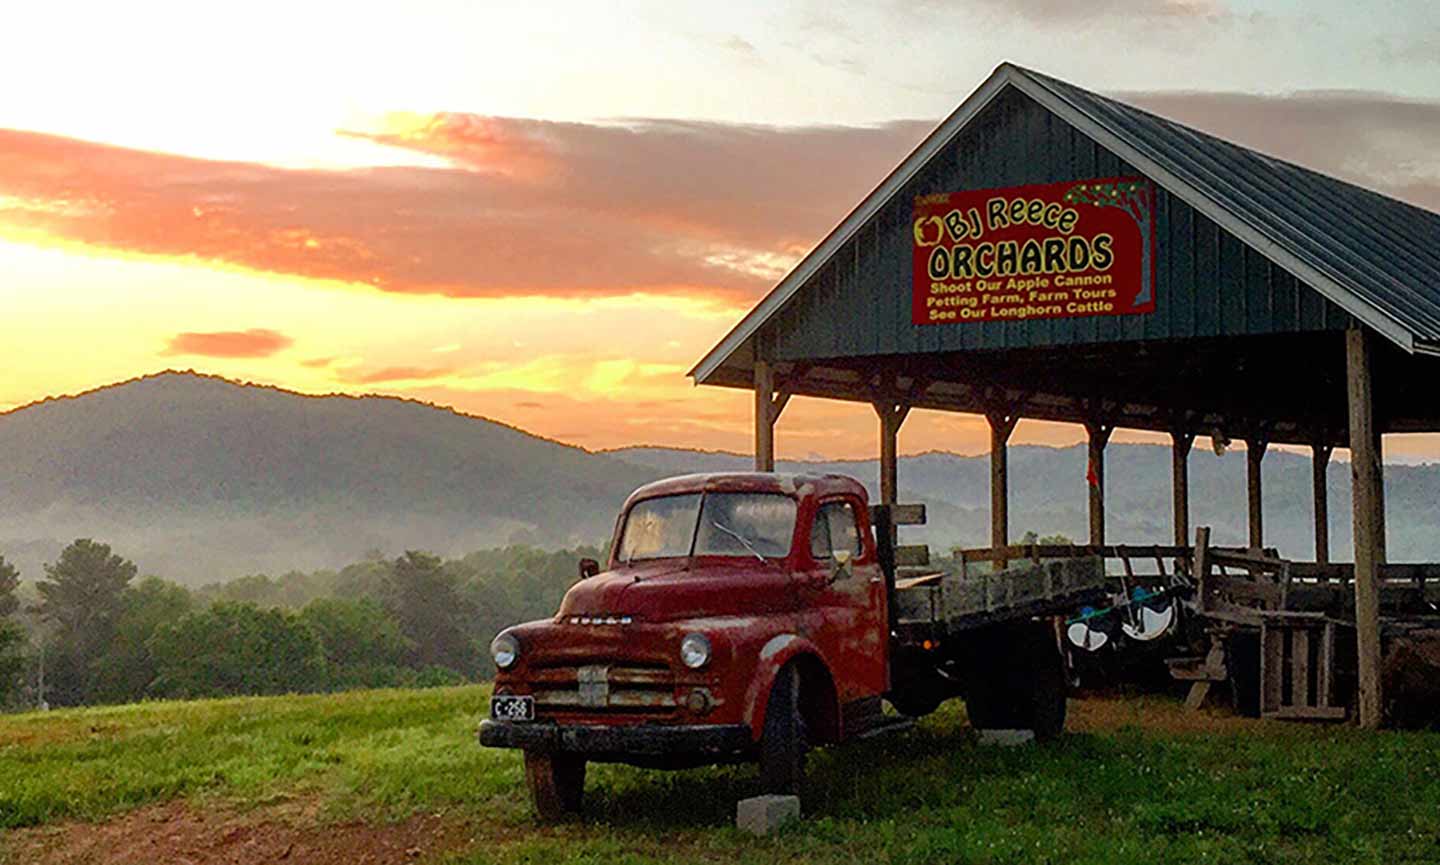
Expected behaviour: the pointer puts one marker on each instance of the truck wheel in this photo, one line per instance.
(1027, 693)
(1048, 688)
(556, 782)
(783, 742)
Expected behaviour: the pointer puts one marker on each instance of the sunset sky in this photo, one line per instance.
(546, 213)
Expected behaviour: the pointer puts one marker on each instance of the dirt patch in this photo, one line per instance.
(1097, 714)
(183, 834)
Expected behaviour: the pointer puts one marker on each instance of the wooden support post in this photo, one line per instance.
(1320, 492)
(1367, 502)
(892, 415)
(1180, 445)
(768, 406)
(1095, 475)
(764, 422)
(1002, 425)
(1201, 569)
(1381, 536)
(1254, 456)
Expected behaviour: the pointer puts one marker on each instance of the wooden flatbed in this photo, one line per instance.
(957, 598)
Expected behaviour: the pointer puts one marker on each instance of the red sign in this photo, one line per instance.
(1064, 250)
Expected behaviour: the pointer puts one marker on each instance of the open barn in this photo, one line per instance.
(1054, 254)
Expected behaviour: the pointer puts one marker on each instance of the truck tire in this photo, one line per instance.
(1027, 693)
(783, 742)
(1048, 688)
(557, 784)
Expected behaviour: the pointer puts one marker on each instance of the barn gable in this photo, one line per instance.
(1245, 244)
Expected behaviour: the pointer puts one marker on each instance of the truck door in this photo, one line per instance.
(844, 607)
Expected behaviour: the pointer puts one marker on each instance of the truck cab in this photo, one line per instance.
(722, 593)
(740, 617)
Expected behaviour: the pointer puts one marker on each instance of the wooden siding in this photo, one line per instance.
(1208, 283)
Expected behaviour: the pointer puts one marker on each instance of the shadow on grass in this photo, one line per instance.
(1124, 792)
(879, 778)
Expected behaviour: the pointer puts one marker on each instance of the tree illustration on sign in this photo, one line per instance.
(1133, 197)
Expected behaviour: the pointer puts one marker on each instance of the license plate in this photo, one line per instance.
(512, 708)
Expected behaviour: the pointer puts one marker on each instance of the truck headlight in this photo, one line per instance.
(505, 651)
(695, 651)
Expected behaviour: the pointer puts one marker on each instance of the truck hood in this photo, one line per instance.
(670, 590)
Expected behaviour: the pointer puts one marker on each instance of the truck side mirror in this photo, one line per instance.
(589, 568)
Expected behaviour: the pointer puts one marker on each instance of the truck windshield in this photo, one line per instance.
(712, 524)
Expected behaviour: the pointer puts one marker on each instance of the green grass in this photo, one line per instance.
(393, 751)
(1137, 782)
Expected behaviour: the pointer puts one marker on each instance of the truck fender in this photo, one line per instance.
(774, 655)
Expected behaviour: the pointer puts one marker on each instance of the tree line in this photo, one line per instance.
(91, 631)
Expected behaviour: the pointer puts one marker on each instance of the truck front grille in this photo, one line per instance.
(602, 687)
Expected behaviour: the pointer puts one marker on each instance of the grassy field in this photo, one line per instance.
(1136, 781)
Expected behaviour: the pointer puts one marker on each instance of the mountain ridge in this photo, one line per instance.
(200, 478)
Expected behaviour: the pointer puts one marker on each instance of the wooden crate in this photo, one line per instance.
(1297, 667)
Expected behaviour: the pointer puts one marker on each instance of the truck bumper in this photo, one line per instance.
(706, 742)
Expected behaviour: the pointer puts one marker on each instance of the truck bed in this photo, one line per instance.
(957, 598)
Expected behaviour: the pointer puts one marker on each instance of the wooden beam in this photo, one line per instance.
(1180, 445)
(1099, 434)
(764, 417)
(836, 382)
(1002, 424)
(1320, 494)
(771, 397)
(901, 515)
(892, 415)
(912, 556)
(1254, 456)
(1366, 504)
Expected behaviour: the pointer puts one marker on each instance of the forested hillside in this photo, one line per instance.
(91, 631)
(201, 480)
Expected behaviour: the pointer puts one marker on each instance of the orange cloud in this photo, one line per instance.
(530, 208)
(490, 144)
(733, 187)
(393, 374)
(256, 342)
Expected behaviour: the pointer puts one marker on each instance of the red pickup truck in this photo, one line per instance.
(751, 617)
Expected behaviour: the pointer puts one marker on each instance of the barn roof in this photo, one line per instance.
(1373, 256)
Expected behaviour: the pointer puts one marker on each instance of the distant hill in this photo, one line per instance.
(199, 479)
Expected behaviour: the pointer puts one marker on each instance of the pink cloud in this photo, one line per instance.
(393, 374)
(537, 208)
(256, 342)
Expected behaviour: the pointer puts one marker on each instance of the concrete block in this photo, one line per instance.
(1005, 738)
(762, 815)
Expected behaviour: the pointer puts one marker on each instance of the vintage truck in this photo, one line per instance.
(747, 617)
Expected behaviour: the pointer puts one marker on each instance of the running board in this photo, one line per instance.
(886, 726)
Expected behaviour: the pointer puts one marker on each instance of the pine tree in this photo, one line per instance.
(82, 599)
